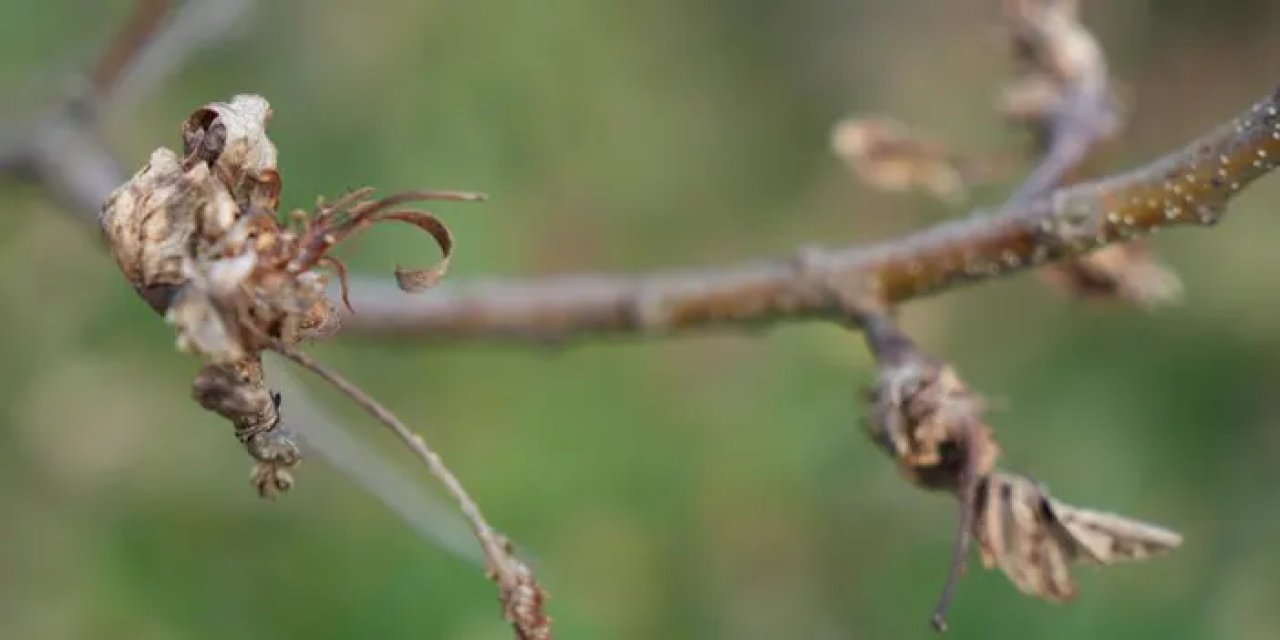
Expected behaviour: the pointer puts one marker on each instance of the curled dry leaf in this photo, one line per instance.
(1034, 538)
(199, 239)
(1128, 271)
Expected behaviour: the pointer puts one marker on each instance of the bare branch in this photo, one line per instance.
(1190, 186)
(522, 597)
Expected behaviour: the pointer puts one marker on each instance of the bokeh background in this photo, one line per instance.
(704, 486)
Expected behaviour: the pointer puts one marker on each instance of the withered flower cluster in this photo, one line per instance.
(199, 237)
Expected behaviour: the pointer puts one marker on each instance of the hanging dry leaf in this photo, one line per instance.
(1034, 538)
(1128, 271)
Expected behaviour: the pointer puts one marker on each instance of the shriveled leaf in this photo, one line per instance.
(417, 280)
(1034, 538)
(1129, 272)
(232, 138)
(888, 155)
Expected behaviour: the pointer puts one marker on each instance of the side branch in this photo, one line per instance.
(1191, 186)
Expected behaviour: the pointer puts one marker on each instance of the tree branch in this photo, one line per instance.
(1190, 186)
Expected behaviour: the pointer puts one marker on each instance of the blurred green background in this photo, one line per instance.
(705, 486)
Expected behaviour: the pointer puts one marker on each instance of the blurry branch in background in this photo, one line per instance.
(63, 155)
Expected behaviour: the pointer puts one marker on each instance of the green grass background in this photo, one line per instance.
(705, 486)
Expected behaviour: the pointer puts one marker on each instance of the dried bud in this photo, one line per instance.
(924, 416)
(199, 240)
(1048, 36)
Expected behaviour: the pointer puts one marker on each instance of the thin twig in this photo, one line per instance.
(429, 516)
(512, 575)
(967, 495)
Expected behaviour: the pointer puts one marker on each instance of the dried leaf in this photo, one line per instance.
(417, 280)
(888, 155)
(334, 223)
(152, 221)
(1128, 271)
(1034, 538)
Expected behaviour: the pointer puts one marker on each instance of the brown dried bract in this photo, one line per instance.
(1034, 538)
(888, 155)
(198, 237)
(1128, 271)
